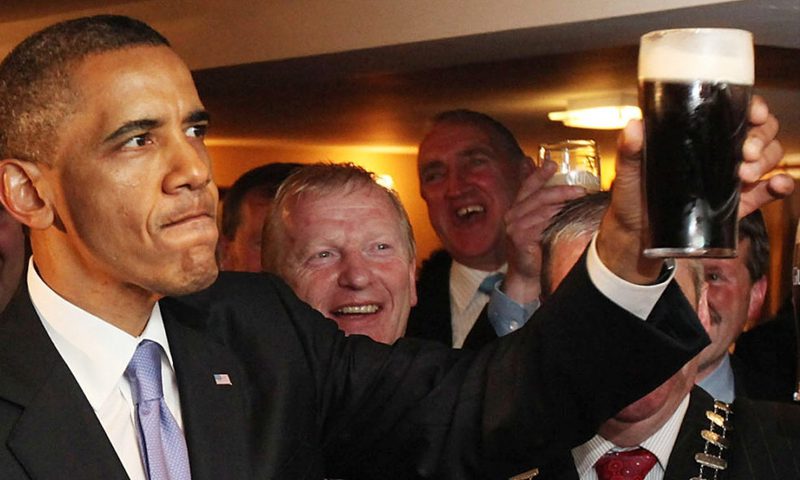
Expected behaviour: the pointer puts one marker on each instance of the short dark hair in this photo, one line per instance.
(35, 92)
(264, 180)
(499, 132)
(753, 228)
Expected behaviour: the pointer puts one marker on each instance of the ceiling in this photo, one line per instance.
(370, 72)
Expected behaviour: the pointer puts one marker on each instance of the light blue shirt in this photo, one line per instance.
(505, 314)
(720, 383)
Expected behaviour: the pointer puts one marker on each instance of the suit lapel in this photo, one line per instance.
(430, 318)
(56, 434)
(214, 412)
(482, 332)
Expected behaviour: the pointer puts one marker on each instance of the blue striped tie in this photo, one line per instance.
(161, 441)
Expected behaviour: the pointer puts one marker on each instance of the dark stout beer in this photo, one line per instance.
(694, 133)
(694, 91)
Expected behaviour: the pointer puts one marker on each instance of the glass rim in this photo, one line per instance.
(699, 30)
(569, 142)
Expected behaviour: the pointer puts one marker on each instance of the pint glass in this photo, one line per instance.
(577, 163)
(694, 90)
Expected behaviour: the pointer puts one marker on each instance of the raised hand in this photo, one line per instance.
(525, 221)
(623, 231)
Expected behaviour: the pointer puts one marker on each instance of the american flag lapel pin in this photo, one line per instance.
(222, 379)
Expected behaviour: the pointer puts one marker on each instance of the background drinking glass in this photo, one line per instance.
(577, 161)
(694, 91)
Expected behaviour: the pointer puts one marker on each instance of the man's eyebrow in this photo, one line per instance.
(132, 126)
(198, 116)
(476, 150)
(431, 165)
(148, 124)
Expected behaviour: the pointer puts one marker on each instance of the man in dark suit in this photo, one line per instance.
(472, 172)
(736, 291)
(770, 351)
(101, 136)
(761, 440)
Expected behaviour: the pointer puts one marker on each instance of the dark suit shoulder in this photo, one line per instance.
(430, 317)
(245, 300)
(757, 384)
(770, 350)
(766, 439)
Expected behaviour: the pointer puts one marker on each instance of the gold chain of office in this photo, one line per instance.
(712, 459)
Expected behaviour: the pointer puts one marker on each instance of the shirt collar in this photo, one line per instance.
(660, 443)
(464, 283)
(720, 383)
(95, 351)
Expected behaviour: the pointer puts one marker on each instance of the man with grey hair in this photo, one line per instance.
(567, 235)
(344, 244)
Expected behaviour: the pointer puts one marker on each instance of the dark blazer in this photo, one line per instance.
(765, 443)
(755, 384)
(430, 317)
(769, 352)
(308, 402)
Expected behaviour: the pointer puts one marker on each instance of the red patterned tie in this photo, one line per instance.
(630, 465)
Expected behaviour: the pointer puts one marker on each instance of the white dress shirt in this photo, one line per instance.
(660, 444)
(97, 353)
(466, 302)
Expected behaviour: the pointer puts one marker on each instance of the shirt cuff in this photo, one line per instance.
(637, 299)
(505, 314)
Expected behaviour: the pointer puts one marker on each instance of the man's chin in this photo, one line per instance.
(198, 277)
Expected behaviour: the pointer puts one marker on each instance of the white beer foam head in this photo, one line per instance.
(707, 54)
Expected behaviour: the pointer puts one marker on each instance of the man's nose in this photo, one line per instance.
(189, 164)
(456, 184)
(355, 272)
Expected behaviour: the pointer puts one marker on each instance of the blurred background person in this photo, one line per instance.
(737, 288)
(244, 209)
(736, 292)
(660, 436)
(344, 244)
(471, 170)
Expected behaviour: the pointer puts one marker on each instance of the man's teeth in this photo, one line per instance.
(463, 212)
(357, 309)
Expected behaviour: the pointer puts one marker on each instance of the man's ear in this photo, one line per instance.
(758, 293)
(20, 193)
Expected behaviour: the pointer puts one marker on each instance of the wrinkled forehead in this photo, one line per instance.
(452, 136)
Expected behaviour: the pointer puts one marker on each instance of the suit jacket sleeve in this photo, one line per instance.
(363, 410)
